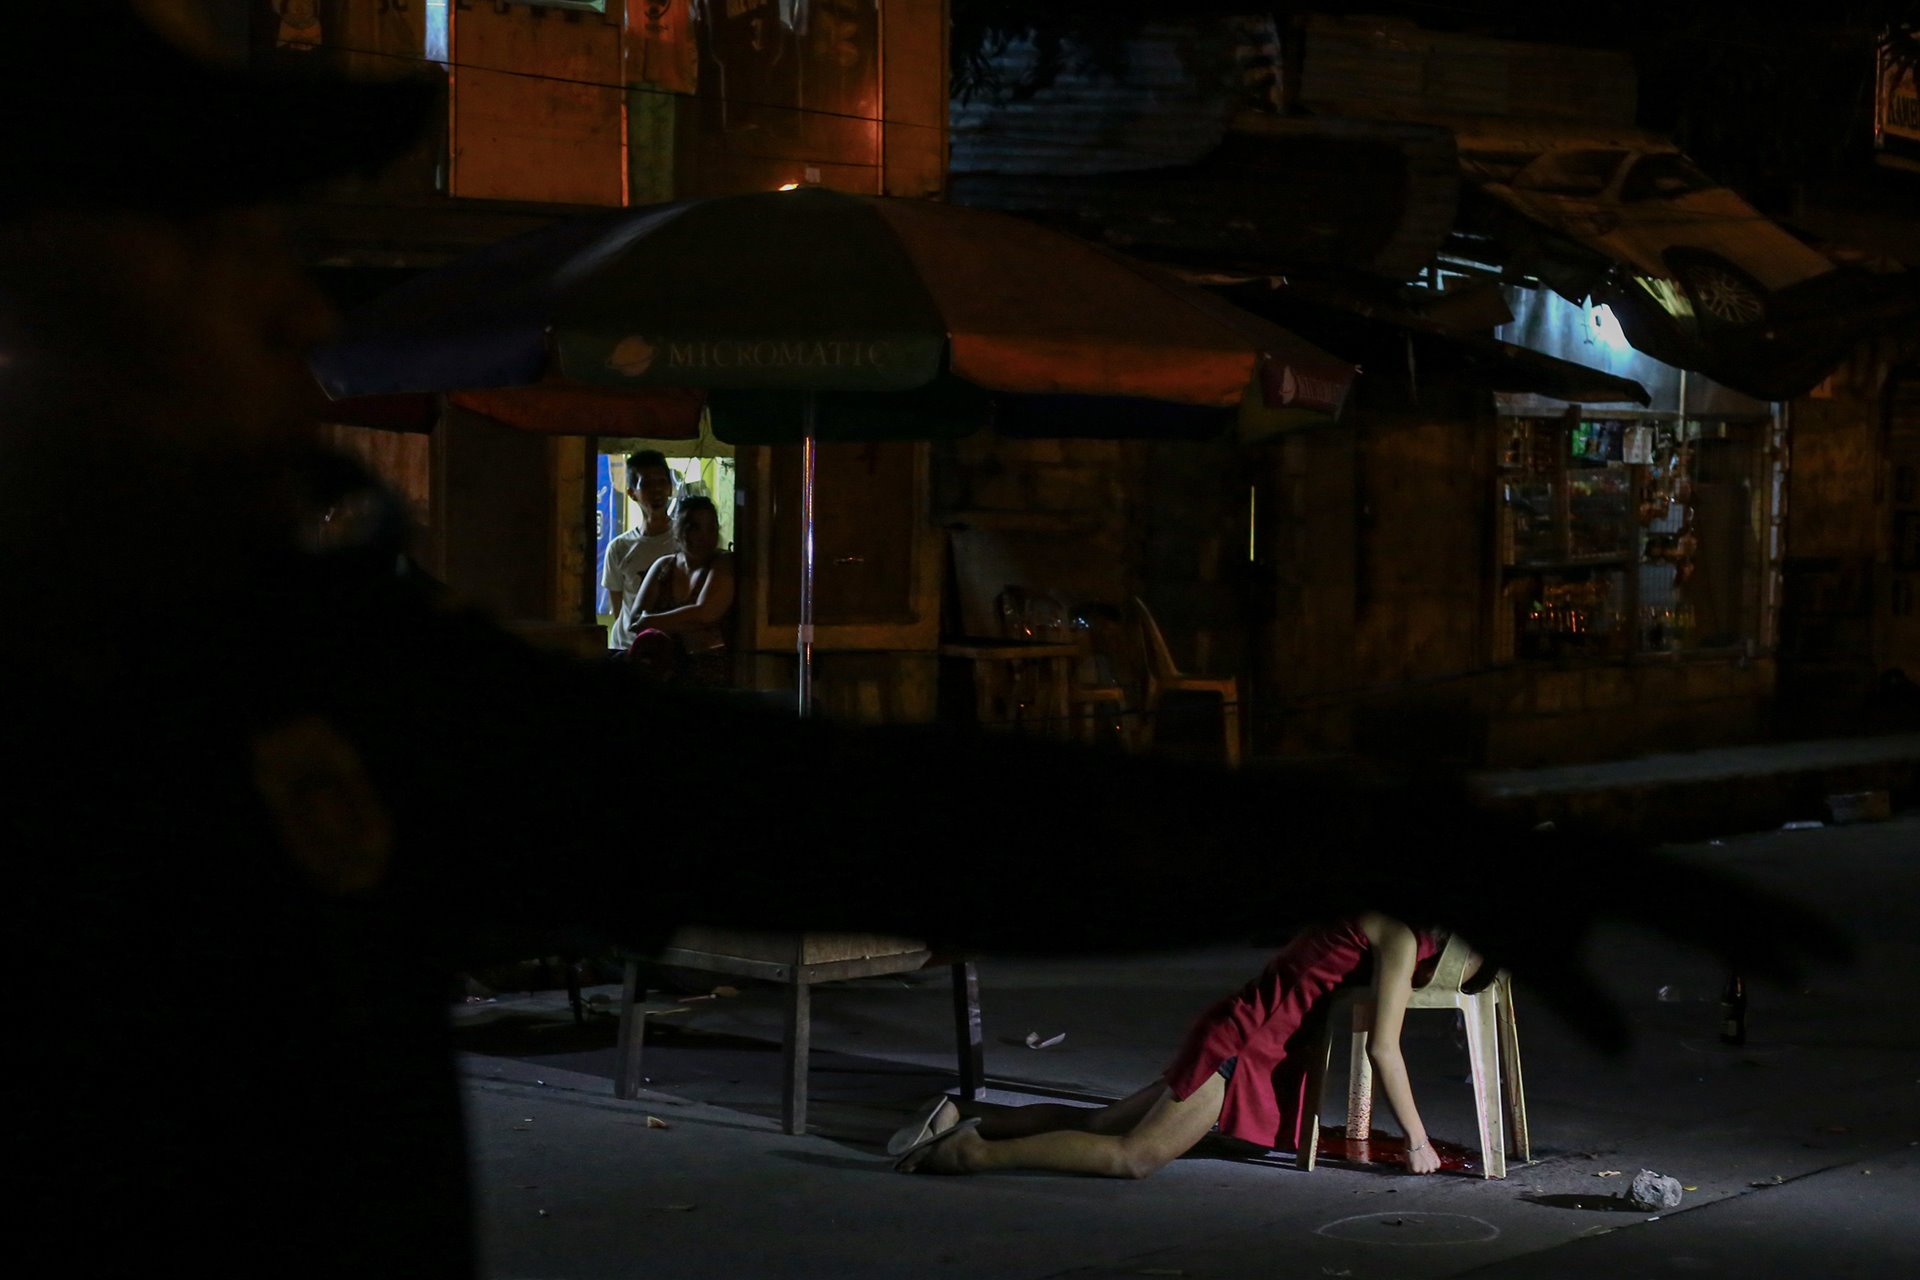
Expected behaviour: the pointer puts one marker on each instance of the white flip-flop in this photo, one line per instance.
(932, 1140)
(920, 1128)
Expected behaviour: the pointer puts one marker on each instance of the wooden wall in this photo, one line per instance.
(1847, 610)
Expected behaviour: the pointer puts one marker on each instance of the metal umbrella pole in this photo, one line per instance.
(806, 553)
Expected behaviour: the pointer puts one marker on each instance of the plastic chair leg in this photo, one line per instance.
(1360, 1076)
(1317, 1066)
(1483, 1050)
(1512, 1086)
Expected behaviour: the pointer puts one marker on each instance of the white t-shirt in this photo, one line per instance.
(629, 556)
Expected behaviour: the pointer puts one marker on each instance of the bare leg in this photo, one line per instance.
(1168, 1130)
(1045, 1117)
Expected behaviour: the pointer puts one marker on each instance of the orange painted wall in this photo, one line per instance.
(537, 105)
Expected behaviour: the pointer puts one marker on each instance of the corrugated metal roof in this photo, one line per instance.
(1170, 105)
(1182, 154)
(1385, 67)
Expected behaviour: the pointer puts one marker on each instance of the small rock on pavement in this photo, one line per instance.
(1652, 1190)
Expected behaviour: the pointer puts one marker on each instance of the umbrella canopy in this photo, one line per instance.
(813, 315)
(904, 314)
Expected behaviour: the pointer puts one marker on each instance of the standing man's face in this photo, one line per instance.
(653, 489)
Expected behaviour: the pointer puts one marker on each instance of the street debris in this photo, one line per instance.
(1607, 1173)
(1652, 1190)
(1808, 825)
(1036, 1041)
(540, 1212)
(1860, 806)
(1774, 1181)
(655, 1122)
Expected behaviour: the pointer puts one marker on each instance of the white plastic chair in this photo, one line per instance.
(1493, 1051)
(1163, 674)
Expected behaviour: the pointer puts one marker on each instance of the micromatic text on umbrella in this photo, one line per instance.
(635, 356)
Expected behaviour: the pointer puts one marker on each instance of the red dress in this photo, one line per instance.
(1260, 1027)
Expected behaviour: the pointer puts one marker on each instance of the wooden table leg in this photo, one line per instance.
(793, 1107)
(1012, 677)
(966, 1026)
(632, 1035)
(983, 708)
(574, 999)
(1059, 696)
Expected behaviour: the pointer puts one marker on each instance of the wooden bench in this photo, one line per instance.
(798, 961)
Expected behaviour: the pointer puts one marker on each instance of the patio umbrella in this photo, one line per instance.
(813, 315)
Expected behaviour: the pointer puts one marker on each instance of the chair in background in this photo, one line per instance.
(1110, 678)
(1493, 1050)
(1163, 675)
(1097, 696)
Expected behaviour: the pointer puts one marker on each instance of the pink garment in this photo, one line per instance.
(1261, 1027)
(656, 651)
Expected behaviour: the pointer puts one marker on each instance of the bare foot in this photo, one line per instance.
(953, 1153)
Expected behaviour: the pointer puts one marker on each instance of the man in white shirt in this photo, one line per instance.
(629, 556)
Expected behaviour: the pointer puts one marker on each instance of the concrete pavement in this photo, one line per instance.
(1689, 795)
(1822, 1107)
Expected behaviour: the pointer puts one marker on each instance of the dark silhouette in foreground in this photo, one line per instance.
(263, 805)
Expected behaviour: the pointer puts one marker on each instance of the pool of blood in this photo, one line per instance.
(1389, 1148)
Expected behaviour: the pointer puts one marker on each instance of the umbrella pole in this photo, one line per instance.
(806, 554)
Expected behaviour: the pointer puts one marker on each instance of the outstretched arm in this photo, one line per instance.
(1395, 951)
(478, 757)
(709, 604)
(654, 586)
